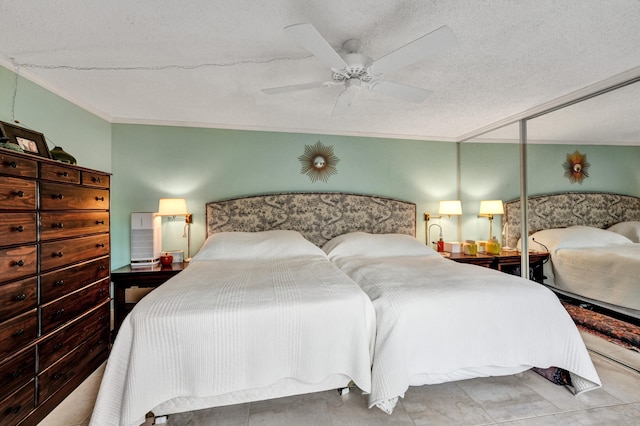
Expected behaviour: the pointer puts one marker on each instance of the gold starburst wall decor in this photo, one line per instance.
(318, 162)
(576, 167)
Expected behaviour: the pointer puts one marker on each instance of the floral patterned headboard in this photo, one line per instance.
(317, 216)
(597, 209)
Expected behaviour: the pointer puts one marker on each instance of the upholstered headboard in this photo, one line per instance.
(317, 216)
(597, 209)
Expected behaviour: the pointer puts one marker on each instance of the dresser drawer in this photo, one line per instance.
(71, 365)
(64, 197)
(56, 313)
(17, 194)
(18, 332)
(95, 179)
(17, 166)
(18, 262)
(57, 283)
(18, 297)
(17, 228)
(61, 225)
(17, 372)
(17, 406)
(96, 323)
(55, 254)
(59, 173)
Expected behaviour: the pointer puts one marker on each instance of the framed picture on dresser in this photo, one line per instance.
(30, 141)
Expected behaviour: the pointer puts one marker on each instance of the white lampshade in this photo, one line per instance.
(450, 208)
(491, 207)
(172, 207)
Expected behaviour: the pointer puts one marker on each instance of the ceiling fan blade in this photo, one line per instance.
(343, 103)
(409, 93)
(427, 45)
(309, 38)
(294, 88)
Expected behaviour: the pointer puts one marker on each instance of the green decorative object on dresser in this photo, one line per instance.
(60, 154)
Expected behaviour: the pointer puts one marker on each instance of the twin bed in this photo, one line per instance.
(593, 240)
(263, 312)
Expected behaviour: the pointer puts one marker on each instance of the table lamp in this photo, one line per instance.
(177, 207)
(487, 209)
(448, 208)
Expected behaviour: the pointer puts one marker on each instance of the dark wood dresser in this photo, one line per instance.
(54, 282)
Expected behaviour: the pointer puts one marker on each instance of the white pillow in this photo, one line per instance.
(277, 244)
(631, 230)
(575, 237)
(375, 245)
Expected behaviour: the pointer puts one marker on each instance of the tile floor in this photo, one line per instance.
(522, 399)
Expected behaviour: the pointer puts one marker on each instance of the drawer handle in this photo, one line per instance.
(19, 297)
(100, 318)
(19, 194)
(96, 179)
(59, 283)
(19, 263)
(99, 222)
(57, 347)
(102, 290)
(99, 198)
(65, 174)
(57, 376)
(100, 245)
(16, 409)
(18, 333)
(20, 228)
(58, 312)
(12, 164)
(58, 196)
(58, 225)
(17, 373)
(102, 268)
(58, 254)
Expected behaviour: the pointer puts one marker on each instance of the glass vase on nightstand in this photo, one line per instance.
(493, 246)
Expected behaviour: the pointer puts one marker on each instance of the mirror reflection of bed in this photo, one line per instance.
(593, 241)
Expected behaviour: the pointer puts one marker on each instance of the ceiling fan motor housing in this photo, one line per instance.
(357, 67)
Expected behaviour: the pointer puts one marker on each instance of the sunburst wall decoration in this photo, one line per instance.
(318, 162)
(576, 167)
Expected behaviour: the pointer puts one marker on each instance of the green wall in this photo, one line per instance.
(83, 134)
(152, 162)
(488, 172)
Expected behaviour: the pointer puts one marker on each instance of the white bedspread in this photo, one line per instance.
(609, 274)
(440, 321)
(238, 328)
(593, 263)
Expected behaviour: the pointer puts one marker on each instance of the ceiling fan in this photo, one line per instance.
(355, 70)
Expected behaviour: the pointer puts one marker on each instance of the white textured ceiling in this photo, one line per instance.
(203, 62)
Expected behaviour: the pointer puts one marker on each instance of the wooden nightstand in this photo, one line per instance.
(145, 277)
(506, 261)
